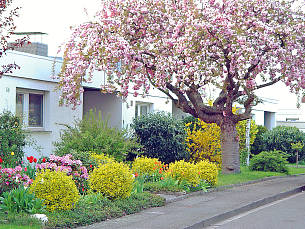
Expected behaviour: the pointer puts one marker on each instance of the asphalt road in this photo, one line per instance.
(287, 213)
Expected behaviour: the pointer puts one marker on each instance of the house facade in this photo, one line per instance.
(31, 93)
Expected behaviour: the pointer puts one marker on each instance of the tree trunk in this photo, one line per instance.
(230, 147)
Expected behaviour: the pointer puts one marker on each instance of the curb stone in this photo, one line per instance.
(243, 209)
(221, 217)
(221, 188)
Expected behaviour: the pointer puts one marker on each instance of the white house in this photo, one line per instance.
(32, 93)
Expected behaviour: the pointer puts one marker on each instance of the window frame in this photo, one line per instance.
(26, 106)
(139, 105)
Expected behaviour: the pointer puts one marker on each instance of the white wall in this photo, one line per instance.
(287, 102)
(157, 99)
(34, 68)
(109, 105)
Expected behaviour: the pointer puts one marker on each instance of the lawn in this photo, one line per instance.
(247, 175)
(13, 226)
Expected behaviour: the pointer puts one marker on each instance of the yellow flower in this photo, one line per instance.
(12, 153)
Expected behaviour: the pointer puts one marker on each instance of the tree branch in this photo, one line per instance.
(268, 84)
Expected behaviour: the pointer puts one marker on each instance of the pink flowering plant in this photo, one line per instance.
(11, 178)
(72, 167)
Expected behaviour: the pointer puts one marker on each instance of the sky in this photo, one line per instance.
(53, 17)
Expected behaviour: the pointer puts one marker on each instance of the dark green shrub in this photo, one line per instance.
(12, 139)
(281, 137)
(162, 136)
(93, 134)
(273, 161)
(258, 144)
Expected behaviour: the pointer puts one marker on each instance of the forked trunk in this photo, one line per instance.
(230, 147)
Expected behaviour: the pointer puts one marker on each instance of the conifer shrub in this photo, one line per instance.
(113, 180)
(161, 136)
(57, 190)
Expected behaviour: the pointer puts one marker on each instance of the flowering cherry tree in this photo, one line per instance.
(182, 47)
(7, 28)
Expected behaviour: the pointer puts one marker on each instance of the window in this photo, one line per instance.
(29, 106)
(142, 109)
(292, 119)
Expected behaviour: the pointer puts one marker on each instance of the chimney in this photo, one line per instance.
(36, 48)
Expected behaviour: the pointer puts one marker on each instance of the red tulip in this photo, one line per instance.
(1, 160)
(43, 160)
(35, 160)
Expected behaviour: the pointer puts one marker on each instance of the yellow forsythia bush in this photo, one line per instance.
(182, 170)
(207, 171)
(113, 180)
(144, 165)
(203, 140)
(101, 158)
(58, 190)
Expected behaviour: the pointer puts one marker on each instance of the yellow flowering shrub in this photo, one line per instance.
(203, 139)
(145, 165)
(101, 158)
(113, 180)
(58, 190)
(203, 142)
(182, 170)
(207, 171)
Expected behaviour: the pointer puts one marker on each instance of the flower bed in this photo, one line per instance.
(71, 196)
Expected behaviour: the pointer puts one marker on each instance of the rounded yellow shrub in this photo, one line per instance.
(101, 158)
(144, 165)
(182, 170)
(58, 190)
(207, 171)
(113, 180)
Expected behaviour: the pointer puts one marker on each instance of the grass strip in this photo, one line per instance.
(246, 175)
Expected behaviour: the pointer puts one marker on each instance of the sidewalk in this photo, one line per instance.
(202, 210)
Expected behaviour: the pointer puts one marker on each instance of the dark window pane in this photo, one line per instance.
(19, 105)
(35, 110)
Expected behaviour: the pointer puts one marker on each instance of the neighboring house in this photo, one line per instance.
(286, 112)
(31, 93)
(264, 113)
